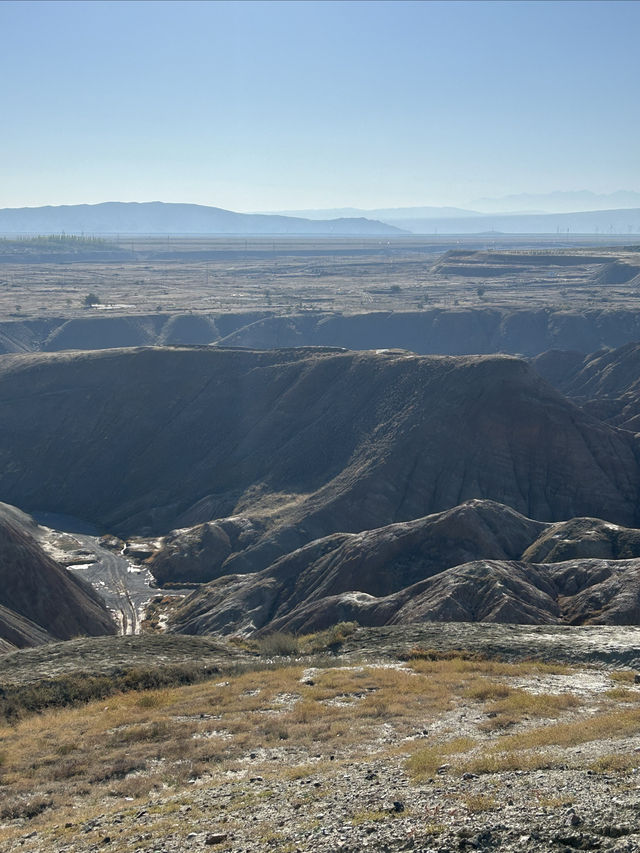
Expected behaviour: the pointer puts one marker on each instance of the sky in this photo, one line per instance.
(286, 105)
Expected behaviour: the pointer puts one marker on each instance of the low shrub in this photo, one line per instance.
(278, 644)
(26, 808)
(18, 700)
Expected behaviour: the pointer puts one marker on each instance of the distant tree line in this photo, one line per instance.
(55, 241)
(74, 239)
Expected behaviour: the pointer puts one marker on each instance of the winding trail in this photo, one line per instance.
(124, 586)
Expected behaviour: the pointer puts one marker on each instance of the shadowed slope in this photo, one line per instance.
(18, 632)
(39, 599)
(605, 383)
(305, 442)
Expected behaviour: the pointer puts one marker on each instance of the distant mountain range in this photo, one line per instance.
(386, 214)
(587, 216)
(156, 217)
(159, 218)
(605, 222)
(522, 203)
(557, 202)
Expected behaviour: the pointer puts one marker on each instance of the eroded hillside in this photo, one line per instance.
(303, 442)
(303, 482)
(40, 601)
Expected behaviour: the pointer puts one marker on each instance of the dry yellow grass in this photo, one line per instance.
(626, 676)
(607, 724)
(617, 762)
(66, 763)
(622, 694)
(426, 760)
(476, 803)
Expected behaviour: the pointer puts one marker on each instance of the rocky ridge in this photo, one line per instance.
(479, 562)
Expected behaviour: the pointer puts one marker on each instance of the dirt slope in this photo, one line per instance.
(40, 600)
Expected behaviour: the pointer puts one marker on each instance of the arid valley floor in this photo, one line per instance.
(365, 516)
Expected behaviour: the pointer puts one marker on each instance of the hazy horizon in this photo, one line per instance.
(517, 204)
(270, 106)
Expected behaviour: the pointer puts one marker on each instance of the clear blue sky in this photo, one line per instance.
(274, 105)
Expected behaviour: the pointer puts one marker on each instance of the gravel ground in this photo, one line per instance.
(333, 796)
(370, 805)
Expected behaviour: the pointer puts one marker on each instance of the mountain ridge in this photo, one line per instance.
(299, 443)
(171, 218)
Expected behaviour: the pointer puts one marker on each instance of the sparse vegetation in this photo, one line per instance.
(278, 644)
(19, 700)
(281, 643)
(148, 743)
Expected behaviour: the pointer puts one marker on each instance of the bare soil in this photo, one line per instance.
(283, 276)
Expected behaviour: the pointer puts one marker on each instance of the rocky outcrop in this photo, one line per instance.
(198, 554)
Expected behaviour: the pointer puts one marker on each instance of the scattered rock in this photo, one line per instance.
(216, 838)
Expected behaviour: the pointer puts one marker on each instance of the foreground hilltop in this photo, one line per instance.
(391, 746)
